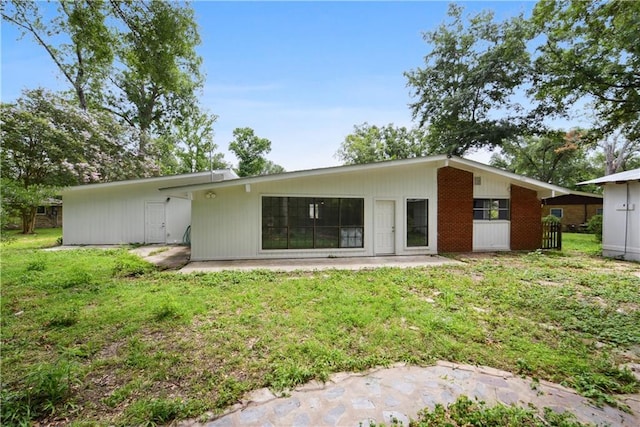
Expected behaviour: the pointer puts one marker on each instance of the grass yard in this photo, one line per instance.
(100, 337)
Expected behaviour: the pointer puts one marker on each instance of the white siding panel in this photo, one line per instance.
(491, 235)
(117, 215)
(491, 186)
(618, 223)
(229, 226)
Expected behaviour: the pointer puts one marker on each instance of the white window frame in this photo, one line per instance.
(557, 209)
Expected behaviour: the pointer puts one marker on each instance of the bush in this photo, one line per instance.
(595, 226)
(551, 219)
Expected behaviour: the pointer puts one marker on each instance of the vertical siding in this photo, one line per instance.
(617, 222)
(229, 226)
(117, 215)
(491, 235)
(491, 187)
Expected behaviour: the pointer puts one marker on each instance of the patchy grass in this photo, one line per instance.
(465, 412)
(101, 337)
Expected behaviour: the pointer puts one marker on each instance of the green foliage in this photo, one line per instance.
(132, 61)
(465, 412)
(153, 412)
(590, 53)
(551, 219)
(552, 158)
(595, 226)
(472, 71)
(370, 143)
(194, 133)
(47, 389)
(128, 265)
(159, 347)
(250, 151)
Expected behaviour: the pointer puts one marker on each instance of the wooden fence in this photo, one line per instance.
(551, 235)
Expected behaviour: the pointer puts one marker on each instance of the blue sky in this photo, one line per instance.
(301, 74)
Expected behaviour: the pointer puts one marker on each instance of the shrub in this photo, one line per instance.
(551, 219)
(595, 226)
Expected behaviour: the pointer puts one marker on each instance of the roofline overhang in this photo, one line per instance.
(444, 160)
(215, 174)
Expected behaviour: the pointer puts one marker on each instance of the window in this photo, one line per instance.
(599, 211)
(41, 210)
(557, 212)
(491, 209)
(417, 222)
(312, 222)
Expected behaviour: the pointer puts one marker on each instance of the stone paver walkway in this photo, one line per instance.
(398, 393)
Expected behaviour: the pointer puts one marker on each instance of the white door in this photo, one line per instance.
(385, 227)
(154, 224)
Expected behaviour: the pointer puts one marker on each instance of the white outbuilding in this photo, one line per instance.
(621, 214)
(132, 211)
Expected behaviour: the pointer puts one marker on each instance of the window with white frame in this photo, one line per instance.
(557, 212)
(491, 209)
(41, 210)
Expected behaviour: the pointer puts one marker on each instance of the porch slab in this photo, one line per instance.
(313, 264)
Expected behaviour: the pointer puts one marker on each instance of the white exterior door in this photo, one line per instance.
(154, 223)
(385, 227)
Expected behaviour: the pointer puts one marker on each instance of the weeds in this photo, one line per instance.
(46, 390)
(465, 412)
(155, 347)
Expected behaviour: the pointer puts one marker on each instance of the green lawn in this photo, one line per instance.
(98, 336)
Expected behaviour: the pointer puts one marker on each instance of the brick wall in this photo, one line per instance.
(455, 210)
(573, 215)
(526, 224)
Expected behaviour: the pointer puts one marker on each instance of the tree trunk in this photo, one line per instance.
(28, 220)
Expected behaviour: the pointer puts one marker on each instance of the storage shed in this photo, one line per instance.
(621, 214)
(133, 211)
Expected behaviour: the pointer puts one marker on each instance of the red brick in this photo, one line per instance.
(526, 223)
(455, 210)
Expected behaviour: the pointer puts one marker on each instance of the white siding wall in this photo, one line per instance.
(116, 215)
(618, 221)
(229, 226)
(491, 235)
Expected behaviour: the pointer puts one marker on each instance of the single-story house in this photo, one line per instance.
(49, 214)
(621, 215)
(415, 206)
(574, 210)
(133, 211)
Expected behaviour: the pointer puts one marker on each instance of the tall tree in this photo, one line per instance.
(464, 93)
(370, 143)
(85, 59)
(161, 69)
(196, 149)
(250, 151)
(136, 59)
(590, 53)
(554, 158)
(48, 143)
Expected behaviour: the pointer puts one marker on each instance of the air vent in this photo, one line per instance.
(477, 180)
